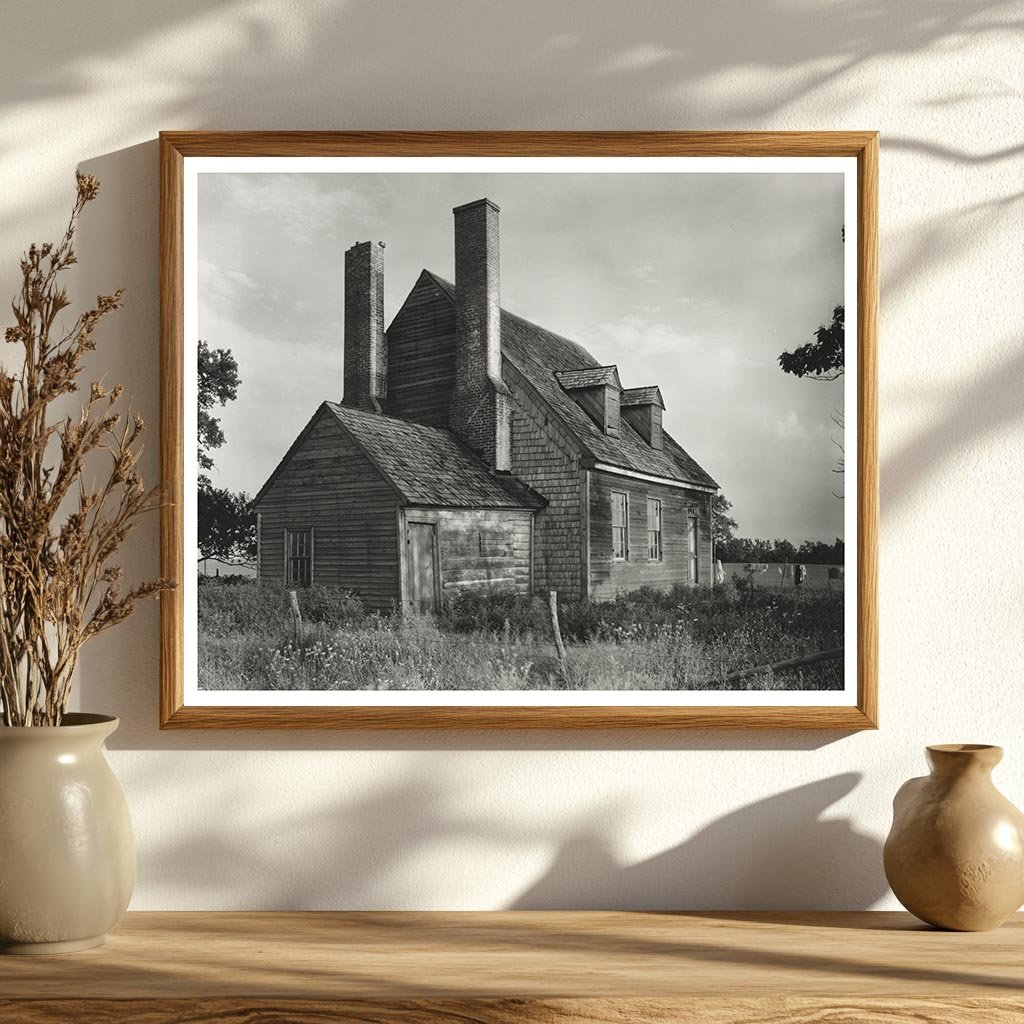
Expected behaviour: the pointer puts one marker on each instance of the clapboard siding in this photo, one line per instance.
(608, 578)
(481, 550)
(330, 486)
(421, 356)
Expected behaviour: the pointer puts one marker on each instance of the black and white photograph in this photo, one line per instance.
(522, 434)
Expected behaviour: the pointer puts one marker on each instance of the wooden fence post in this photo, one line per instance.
(557, 630)
(293, 599)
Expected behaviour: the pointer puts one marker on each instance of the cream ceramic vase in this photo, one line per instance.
(955, 854)
(67, 858)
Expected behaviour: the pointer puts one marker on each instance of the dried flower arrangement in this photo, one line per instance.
(58, 586)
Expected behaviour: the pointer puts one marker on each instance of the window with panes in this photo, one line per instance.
(620, 526)
(299, 557)
(653, 530)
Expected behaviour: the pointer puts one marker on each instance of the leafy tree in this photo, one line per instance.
(821, 359)
(226, 521)
(723, 526)
(227, 526)
(745, 549)
(783, 551)
(218, 385)
(818, 552)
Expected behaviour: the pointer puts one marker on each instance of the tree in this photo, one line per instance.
(810, 552)
(218, 385)
(227, 526)
(822, 359)
(782, 551)
(226, 520)
(723, 526)
(817, 552)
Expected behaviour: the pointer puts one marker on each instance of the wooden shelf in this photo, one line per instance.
(500, 968)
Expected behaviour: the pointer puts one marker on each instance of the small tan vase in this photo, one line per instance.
(67, 859)
(955, 854)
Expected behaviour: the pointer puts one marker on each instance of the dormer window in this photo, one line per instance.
(596, 390)
(642, 409)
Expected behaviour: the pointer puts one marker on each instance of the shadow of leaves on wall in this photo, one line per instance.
(780, 853)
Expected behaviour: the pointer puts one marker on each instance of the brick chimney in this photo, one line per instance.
(480, 412)
(366, 354)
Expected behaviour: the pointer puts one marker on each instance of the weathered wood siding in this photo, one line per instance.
(421, 356)
(608, 577)
(481, 550)
(547, 458)
(330, 486)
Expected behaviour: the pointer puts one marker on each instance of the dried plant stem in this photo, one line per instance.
(58, 586)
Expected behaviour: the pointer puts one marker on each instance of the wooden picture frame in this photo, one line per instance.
(178, 147)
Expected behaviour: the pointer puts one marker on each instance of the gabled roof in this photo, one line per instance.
(539, 354)
(642, 396)
(428, 466)
(589, 377)
(423, 465)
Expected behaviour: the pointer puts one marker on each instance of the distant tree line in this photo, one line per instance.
(730, 548)
(810, 552)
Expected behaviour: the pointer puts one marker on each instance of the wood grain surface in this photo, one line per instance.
(715, 1010)
(524, 966)
(175, 147)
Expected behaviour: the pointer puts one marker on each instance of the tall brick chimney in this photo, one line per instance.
(366, 354)
(480, 412)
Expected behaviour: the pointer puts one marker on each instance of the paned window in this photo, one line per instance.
(620, 526)
(653, 530)
(299, 557)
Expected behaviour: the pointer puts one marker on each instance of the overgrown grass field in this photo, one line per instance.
(683, 639)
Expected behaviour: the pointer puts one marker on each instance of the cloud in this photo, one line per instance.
(290, 204)
(223, 286)
(637, 338)
(241, 278)
(272, 251)
(789, 428)
(644, 272)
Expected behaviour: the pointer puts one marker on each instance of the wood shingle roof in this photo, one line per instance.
(588, 377)
(540, 355)
(428, 466)
(641, 396)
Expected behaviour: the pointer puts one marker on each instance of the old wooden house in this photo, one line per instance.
(473, 449)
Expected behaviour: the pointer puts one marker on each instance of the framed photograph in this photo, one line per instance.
(519, 429)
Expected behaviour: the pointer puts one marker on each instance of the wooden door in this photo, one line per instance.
(421, 546)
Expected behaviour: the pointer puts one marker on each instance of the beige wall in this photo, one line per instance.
(376, 820)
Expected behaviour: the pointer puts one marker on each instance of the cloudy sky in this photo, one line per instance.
(693, 282)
